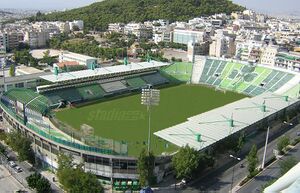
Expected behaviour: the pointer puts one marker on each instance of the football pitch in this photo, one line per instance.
(125, 119)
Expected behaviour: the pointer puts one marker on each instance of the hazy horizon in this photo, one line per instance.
(264, 6)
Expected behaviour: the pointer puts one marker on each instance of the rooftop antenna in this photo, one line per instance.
(56, 71)
(148, 57)
(198, 136)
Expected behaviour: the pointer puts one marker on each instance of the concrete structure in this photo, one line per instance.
(14, 39)
(222, 46)
(268, 55)
(30, 81)
(24, 70)
(3, 42)
(140, 30)
(116, 27)
(288, 183)
(81, 59)
(162, 34)
(288, 60)
(36, 39)
(185, 36)
(195, 48)
(244, 48)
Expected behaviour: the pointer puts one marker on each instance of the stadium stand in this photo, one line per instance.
(135, 83)
(155, 79)
(91, 92)
(114, 87)
(29, 98)
(68, 94)
(243, 78)
(181, 71)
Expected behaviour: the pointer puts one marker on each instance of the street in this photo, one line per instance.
(27, 171)
(269, 173)
(8, 183)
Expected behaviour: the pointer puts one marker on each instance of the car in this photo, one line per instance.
(12, 164)
(18, 169)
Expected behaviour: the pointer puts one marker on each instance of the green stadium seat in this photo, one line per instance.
(243, 78)
(136, 83)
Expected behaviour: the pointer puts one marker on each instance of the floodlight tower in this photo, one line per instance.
(150, 97)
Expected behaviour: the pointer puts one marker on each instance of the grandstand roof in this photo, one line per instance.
(36, 102)
(103, 71)
(77, 56)
(214, 125)
(22, 78)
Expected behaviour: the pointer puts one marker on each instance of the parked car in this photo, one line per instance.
(18, 169)
(12, 164)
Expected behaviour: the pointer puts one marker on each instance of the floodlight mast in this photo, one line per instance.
(150, 97)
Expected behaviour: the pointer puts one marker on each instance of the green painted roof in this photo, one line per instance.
(40, 104)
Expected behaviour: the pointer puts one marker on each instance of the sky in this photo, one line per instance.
(266, 6)
(272, 6)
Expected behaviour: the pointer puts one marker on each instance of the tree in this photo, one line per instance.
(22, 145)
(75, 28)
(33, 179)
(287, 164)
(74, 179)
(240, 142)
(12, 70)
(43, 186)
(2, 149)
(185, 162)
(283, 142)
(252, 160)
(47, 58)
(96, 16)
(145, 168)
(38, 182)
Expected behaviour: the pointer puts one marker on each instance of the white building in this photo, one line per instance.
(183, 36)
(81, 59)
(221, 47)
(140, 30)
(3, 42)
(244, 49)
(268, 55)
(162, 34)
(288, 60)
(116, 27)
(78, 23)
(36, 39)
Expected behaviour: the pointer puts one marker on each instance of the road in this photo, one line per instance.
(220, 181)
(8, 183)
(27, 171)
(269, 173)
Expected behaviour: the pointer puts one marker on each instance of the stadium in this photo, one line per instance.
(96, 115)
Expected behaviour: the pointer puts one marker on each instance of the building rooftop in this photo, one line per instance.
(75, 55)
(67, 63)
(27, 70)
(103, 71)
(215, 125)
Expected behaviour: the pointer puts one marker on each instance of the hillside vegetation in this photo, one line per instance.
(99, 15)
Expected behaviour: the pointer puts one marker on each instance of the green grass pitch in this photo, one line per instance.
(126, 119)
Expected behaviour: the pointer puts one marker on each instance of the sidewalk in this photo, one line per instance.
(54, 185)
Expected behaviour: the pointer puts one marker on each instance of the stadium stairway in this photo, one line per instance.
(197, 70)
